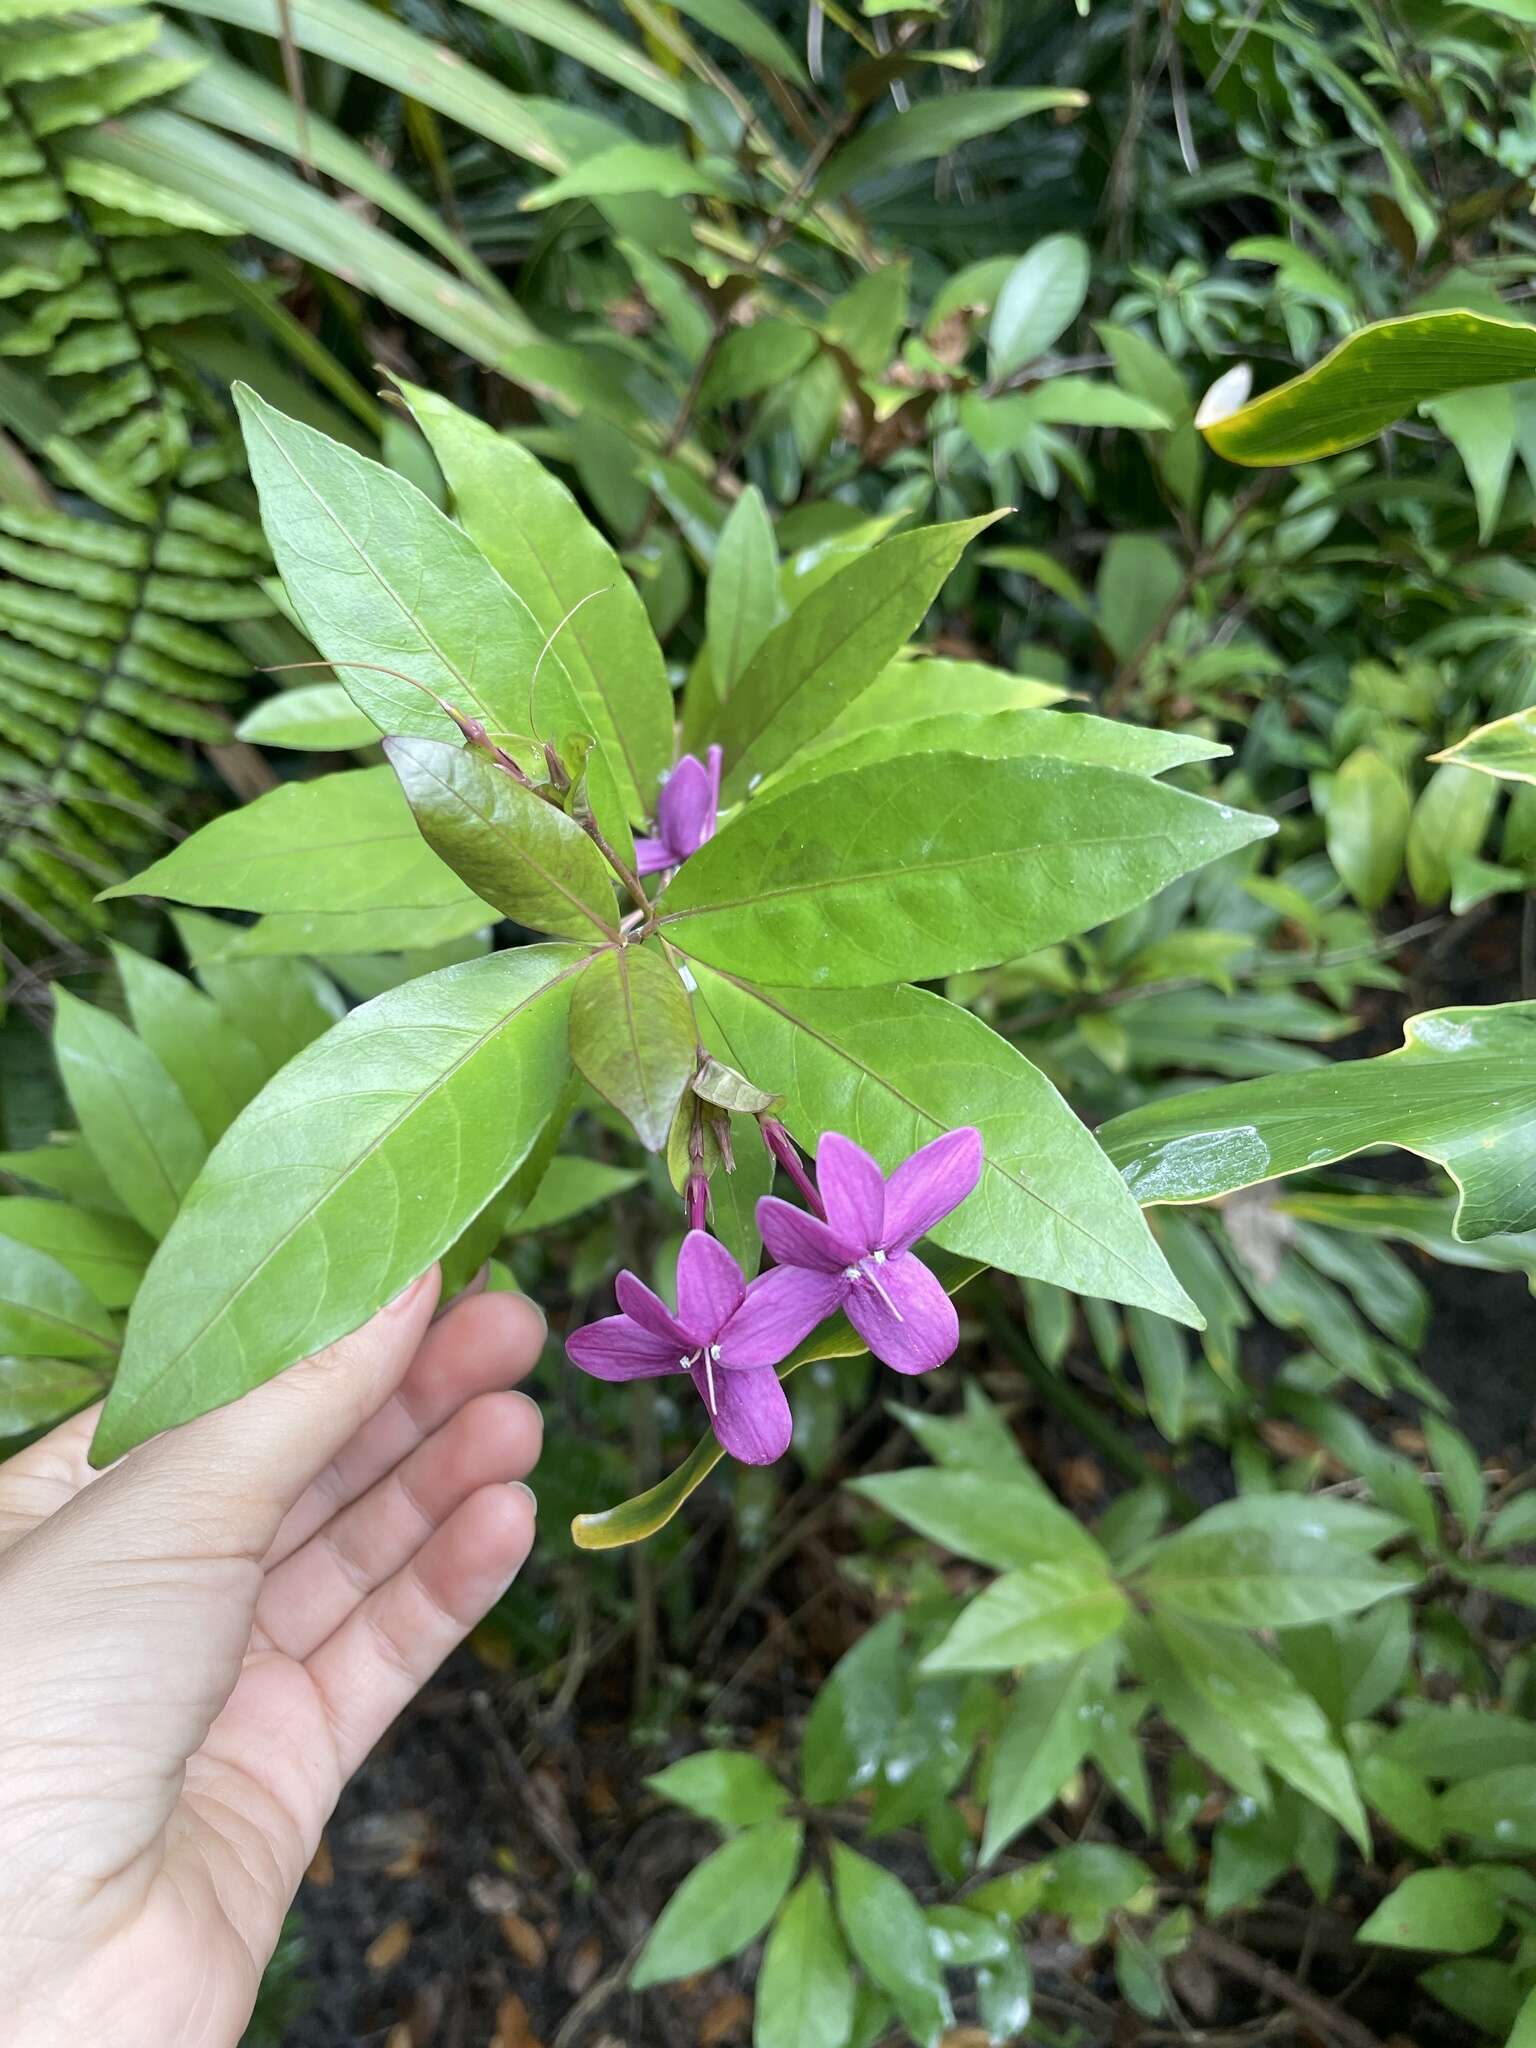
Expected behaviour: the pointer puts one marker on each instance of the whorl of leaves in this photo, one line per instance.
(118, 563)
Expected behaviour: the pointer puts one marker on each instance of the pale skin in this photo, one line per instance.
(200, 1646)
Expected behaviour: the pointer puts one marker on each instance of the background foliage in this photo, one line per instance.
(1181, 1686)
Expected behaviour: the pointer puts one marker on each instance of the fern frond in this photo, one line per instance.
(114, 590)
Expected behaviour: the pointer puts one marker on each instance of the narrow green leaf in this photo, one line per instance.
(935, 864)
(1367, 826)
(316, 718)
(727, 1786)
(45, 1309)
(1506, 748)
(1051, 1608)
(1040, 298)
(569, 1185)
(35, 1393)
(722, 1905)
(1044, 1739)
(1007, 1520)
(934, 128)
(1450, 821)
(1264, 1578)
(130, 1112)
(1451, 1912)
(742, 600)
(507, 845)
(1461, 1090)
(854, 1716)
(888, 1934)
(106, 1254)
(805, 1992)
(344, 1180)
(632, 1036)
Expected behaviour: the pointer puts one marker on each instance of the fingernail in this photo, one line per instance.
(533, 1499)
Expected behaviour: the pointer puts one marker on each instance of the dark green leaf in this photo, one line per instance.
(934, 128)
(854, 1716)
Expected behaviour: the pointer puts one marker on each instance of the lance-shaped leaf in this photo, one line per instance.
(1051, 1608)
(130, 1112)
(1506, 748)
(531, 529)
(356, 1167)
(805, 1990)
(833, 646)
(46, 1310)
(934, 864)
(214, 1064)
(887, 1932)
(315, 718)
(512, 849)
(936, 126)
(632, 1036)
(723, 1904)
(893, 1068)
(107, 1254)
(1373, 378)
(376, 574)
(341, 843)
(743, 595)
(1461, 1090)
(35, 1393)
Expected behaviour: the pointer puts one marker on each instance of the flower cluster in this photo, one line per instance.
(855, 1255)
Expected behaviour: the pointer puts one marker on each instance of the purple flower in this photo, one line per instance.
(860, 1259)
(685, 814)
(726, 1336)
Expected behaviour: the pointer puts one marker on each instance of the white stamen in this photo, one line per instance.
(880, 1289)
(852, 1273)
(878, 1257)
(714, 1352)
(709, 1375)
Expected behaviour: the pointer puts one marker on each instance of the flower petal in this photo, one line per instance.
(781, 1308)
(916, 1327)
(618, 1349)
(652, 855)
(685, 810)
(650, 1312)
(749, 1412)
(797, 1239)
(924, 1188)
(709, 1286)
(853, 1189)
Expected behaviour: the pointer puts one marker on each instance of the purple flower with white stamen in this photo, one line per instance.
(686, 812)
(726, 1336)
(860, 1259)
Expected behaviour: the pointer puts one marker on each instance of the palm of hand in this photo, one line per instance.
(203, 1644)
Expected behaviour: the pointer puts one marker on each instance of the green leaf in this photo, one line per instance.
(1211, 1732)
(1506, 748)
(1460, 1091)
(1367, 826)
(1044, 1739)
(1499, 1808)
(934, 128)
(632, 1036)
(916, 868)
(342, 843)
(727, 1786)
(744, 29)
(1049, 1609)
(889, 1936)
(130, 1112)
(316, 718)
(507, 845)
(531, 529)
(722, 1905)
(1448, 1911)
(1263, 1578)
(1041, 297)
(1139, 578)
(568, 1186)
(1461, 1473)
(805, 1991)
(906, 690)
(854, 1716)
(895, 1068)
(106, 1254)
(35, 1393)
(1241, 1684)
(1449, 820)
(212, 1062)
(280, 1005)
(345, 1178)
(833, 646)
(1008, 1519)
(756, 358)
(628, 167)
(1372, 378)
(742, 601)
(376, 574)
(45, 1309)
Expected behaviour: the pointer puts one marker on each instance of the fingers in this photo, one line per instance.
(489, 1341)
(381, 1656)
(36, 1482)
(492, 1437)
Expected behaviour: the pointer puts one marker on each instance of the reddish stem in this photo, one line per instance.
(784, 1150)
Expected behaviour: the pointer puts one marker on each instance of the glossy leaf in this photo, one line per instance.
(916, 868)
(1372, 379)
(315, 718)
(1044, 1739)
(345, 1178)
(1367, 826)
(1451, 1912)
(632, 1036)
(895, 1068)
(721, 1905)
(728, 1786)
(1499, 1809)
(530, 528)
(887, 1933)
(1459, 1091)
(1263, 1578)
(1006, 1520)
(805, 1992)
(341, 843)
(569, 1185)
(506, 845)
(130, 1112)
(377, 574)
(1051, 1608)
(1040, 298)
(833, 646)
(933, 128)
(46, 1310)
(1506, 748)
(854, 1716)
(742, 600)
(1449, 823)
(927, 685)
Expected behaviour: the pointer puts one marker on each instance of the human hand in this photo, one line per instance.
(201, 1645)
